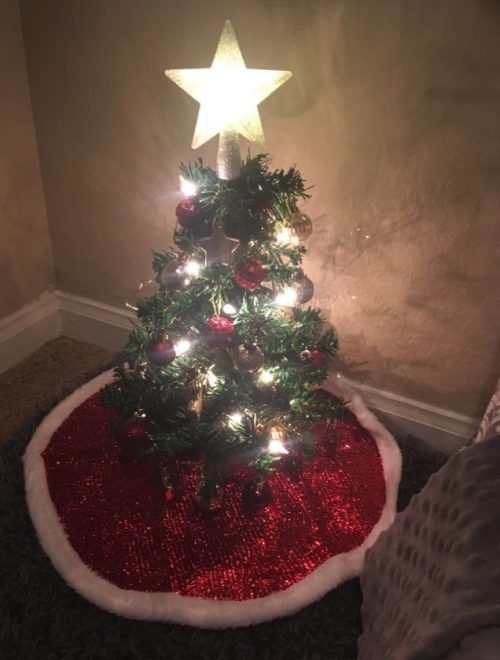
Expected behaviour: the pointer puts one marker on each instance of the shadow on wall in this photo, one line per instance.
(361, 372)
(25, 258)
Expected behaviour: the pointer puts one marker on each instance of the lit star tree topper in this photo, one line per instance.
(228, 94)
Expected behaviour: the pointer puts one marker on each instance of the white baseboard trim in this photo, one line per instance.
(442, 429)
(108, 326)
(94, 322)
(22, 332)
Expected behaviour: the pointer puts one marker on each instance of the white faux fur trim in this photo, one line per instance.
(183, 609)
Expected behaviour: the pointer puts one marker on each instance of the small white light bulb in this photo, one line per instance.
(212, 379)
(287, 297)
(277, 447)
(192, 268)
(229, 309)
(188, 188)
(236, 418)
(182, 346)
(266, 377)
(285, 237)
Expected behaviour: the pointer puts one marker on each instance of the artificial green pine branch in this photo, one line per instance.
(252, 208)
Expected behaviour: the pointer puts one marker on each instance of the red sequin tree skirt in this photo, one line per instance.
(119, 526)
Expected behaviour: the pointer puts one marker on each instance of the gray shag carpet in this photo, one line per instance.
(41, 618)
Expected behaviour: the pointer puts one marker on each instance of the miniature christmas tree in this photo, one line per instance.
(225, 361)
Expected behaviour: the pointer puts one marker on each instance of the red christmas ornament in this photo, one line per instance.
(160, 353)
(218, 331)
(186, 211)
(318, 358)
(132, 437)
(191, 215)
(250, 273)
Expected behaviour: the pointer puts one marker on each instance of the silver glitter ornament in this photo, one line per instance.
(304, 289)
(173, 277)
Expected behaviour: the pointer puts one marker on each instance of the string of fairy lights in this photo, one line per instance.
(286, 298)
(246, 217)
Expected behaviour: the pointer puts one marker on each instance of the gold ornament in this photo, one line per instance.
(300, 225)
(196, 404)
(265, 379)
(248, 358)
(275, 432)
(284, 313)
(228, 94)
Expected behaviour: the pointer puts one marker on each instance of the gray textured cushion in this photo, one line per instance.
(484, 644)
(434, 576)
(490, 423)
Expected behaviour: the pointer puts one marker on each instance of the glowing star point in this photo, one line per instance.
(229, 94)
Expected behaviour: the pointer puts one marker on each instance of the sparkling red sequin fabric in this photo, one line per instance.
(117, 520)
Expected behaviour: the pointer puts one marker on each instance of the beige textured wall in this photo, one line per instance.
(392, 114)
(25, 255)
